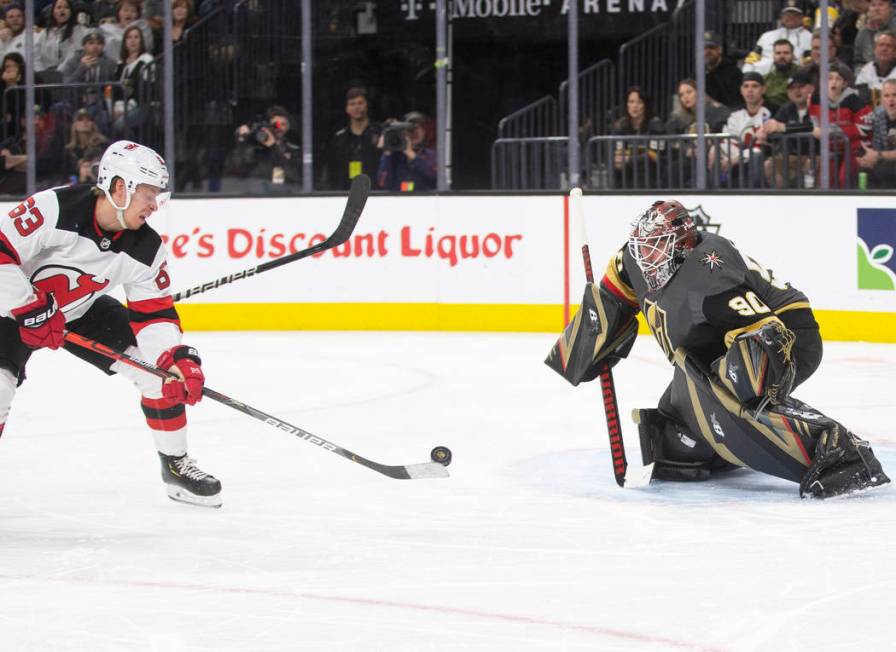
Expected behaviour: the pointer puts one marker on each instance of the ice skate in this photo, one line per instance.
(187, 483)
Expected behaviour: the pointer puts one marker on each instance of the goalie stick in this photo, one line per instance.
(357, 198)
(607, 386)
(399, 472)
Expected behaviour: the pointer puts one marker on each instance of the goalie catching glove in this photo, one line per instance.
(185, 363)
(759, 365)
(41, 323)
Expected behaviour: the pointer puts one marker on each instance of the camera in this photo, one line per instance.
(259, 132)
(395, 136)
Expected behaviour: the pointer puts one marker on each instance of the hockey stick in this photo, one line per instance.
(607, 386)
(357, 197)
(403, 472)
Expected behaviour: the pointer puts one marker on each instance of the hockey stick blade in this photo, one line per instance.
(354, 206)
(399, 472)
(637, 477)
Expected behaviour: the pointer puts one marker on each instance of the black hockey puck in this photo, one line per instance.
(441, 454)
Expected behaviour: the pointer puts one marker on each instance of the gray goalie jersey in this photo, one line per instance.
(716, 294)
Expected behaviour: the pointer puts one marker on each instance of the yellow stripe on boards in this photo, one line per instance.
(372, 316)
(835, 324)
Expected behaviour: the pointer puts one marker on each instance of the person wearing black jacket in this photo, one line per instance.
(352, 150)
(723, 77)
(791, 162)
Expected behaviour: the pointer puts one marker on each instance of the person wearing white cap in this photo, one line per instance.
(761, 58)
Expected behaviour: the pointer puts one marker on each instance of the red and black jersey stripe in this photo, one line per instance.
(152, 311)
(164, 414)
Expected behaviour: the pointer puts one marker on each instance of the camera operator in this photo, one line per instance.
(265, 155)
(407, 163)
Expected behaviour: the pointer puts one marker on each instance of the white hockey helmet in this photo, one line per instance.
(134, 164)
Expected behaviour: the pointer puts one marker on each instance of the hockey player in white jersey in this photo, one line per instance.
(61, 252)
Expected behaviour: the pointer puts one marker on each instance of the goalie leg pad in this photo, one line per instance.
(675, 452)
(758, 366)
(843, 464)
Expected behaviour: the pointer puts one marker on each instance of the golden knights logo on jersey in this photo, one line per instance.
(656, 321)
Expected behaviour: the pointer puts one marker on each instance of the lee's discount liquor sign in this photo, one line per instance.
(404, 249)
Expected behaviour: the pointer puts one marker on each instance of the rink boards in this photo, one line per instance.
(502, 263)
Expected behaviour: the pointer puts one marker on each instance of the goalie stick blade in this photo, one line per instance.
(636, 477)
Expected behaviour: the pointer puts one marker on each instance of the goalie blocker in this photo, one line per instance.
(603, 330)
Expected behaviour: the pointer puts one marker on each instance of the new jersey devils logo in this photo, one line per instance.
(71, 286)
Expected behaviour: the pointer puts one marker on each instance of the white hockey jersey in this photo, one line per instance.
(52, 240)
(745, 127)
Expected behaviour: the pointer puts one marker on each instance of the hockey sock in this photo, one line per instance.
(167, 420)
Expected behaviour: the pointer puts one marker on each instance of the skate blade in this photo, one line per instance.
(638, 477)
(181, 495)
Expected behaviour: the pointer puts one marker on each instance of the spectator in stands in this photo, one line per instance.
(182, 18)
(86, 143)
(12, 39)
(722, 74)
(880, 17)
(48, 151)
(413, 167)
(127, 14)
(89, 64)
(684, 119)
(635, 162)
(761, 59)
(880, 158)
(59, 41)
(353, 149)
(873, 74)
(741, 157)
(13, 102)
(782, 70)
(134, 71)
(849, 119)
(847, 27)
(812, 63)
(265, 155)
(791, 157)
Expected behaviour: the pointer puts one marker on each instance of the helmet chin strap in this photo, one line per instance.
(119, 210)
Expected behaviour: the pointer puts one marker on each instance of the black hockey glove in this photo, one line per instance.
(759, 364)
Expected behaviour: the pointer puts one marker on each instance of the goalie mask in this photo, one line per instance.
(660, 241)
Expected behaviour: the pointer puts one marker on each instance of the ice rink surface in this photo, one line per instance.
(528, 546)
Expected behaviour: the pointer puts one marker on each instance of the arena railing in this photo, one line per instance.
(529, 163)
(787, 161)
(644, 62)
(597, 98)
(538, 119)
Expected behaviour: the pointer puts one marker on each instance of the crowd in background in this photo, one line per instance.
(768, 102)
